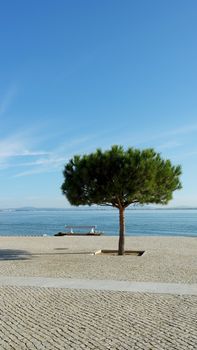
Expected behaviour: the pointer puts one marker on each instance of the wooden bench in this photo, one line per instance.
(71, 230)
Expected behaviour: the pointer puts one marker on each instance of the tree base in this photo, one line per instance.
(113, 252)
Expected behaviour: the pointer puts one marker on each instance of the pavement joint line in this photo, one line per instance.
(105, 285)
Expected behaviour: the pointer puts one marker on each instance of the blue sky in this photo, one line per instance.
(77, 75)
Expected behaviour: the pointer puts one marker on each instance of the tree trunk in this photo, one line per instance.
(121, 231)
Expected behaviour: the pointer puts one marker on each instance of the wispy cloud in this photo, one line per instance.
(21, 153)
(42, 166)
(15, 147)
(35, 160)
(7, 99)
(169, 145)
(169, 137)
(185, 129)
(184, 155)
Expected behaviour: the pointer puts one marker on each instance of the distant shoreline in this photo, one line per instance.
(89, 209)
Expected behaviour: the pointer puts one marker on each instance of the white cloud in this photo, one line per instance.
(15, 146)
(56, 158)
(6, 100)
(169, 145)
(185, 155)
(23, 145)
(21, 153)
(185, 129)
(39, 166)
(169, 137)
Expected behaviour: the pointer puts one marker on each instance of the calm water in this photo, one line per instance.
(138, 222)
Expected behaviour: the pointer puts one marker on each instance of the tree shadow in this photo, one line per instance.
(14, 254)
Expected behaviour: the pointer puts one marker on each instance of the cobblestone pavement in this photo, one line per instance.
(55, 319)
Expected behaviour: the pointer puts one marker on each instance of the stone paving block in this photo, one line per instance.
(58, 319)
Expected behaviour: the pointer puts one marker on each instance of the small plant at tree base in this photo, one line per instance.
(119, 178)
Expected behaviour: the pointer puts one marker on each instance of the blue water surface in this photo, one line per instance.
(138, 222)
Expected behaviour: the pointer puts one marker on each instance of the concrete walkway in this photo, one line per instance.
(106, 285)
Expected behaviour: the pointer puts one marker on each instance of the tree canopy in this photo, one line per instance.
(119, 178)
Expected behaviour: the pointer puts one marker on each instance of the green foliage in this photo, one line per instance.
(119, 177)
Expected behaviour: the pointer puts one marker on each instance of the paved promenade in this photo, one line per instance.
(106, 285)
(55, 295)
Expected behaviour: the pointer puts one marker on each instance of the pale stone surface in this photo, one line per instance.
(57, 319)
(34, 318)
(105, 285)
(167, 259)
